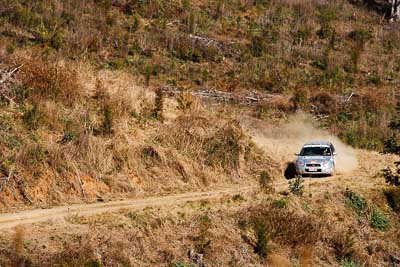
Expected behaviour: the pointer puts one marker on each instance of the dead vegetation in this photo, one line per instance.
(75, 125)
(316, 53)
(255, 230)
(78, 139)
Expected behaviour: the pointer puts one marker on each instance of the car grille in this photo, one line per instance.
(313, 165)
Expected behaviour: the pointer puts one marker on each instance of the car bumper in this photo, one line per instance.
(318, 170)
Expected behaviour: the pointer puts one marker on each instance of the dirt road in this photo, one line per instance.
(363, 177)
(9, 220)
(358, 169)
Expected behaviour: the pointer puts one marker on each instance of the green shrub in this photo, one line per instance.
(355, 55)
(257, 46)
(348, 263)
(10, 49)
(355, 201)
(280, 203)
(115, 64)
(56, 40)
(379, 220)
(108, 119)
(296, 186)
(326, 31)
(148, 71)
(327, 15)
(302, 34)
(261, 247)
(360, 37)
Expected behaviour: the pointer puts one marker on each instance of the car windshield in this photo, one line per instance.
(315, 151)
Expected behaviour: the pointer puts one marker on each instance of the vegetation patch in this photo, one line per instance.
(379, 220)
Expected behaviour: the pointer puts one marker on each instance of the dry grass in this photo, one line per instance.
(116, 138)
(48, 81)
(18, 242)
(287, 227)
(158, 236)
(276, 260)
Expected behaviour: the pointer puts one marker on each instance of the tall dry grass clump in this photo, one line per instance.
(18, 241)
(50, 81)
(283, 226)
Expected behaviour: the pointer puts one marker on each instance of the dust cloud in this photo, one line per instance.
(284, 140)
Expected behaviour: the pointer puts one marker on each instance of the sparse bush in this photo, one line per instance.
(257, 47)
(56, 40)
(265, 181)
(296, 186)
(326, 31)
(10, 49)
(379, 220)
(285, 226)
(348, 263)
(324, 103)
(355, 201)
(185, 101)
(148, 71)
(327, 14)
(108, 119)
(224, 148)
(300, 98)
(280, 203)
(393, 198)
(355, 55)
(32, 155)
(33, 117)
(303, 34)
(238, 197)
(392, 177)
(261, 247)
(159, 104)
(360, 37)
(343, 243)
(203, 240)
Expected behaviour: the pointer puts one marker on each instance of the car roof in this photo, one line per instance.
(317, 143)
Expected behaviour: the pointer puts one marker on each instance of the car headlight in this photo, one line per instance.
(326, 164)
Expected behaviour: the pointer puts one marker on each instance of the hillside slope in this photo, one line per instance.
(316, 53)
(102, 137)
